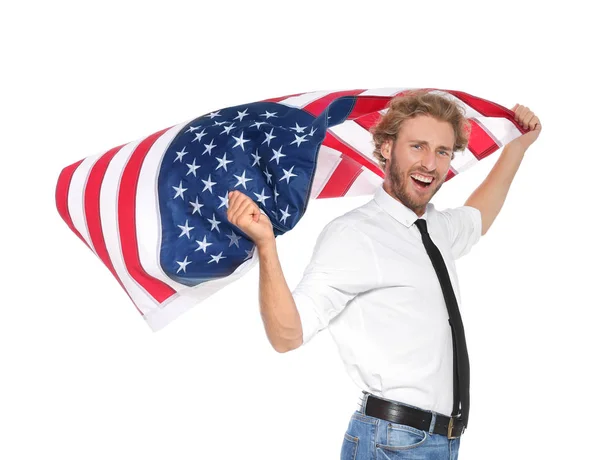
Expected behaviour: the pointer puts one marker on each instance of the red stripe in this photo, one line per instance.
(315, 108)
(369, 120)
(342, 178)
(62, 198)
(334, 142)
(156, 288)
(92, 212)
(367, 104)
(480, 143)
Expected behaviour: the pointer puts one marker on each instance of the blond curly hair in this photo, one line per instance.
(416, 102)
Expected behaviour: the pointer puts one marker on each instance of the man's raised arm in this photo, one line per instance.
(491, 194)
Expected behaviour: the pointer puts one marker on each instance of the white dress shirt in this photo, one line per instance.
(371, 282)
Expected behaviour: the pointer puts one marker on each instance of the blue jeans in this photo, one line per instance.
(371, 438)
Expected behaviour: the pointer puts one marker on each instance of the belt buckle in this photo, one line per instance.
(450, 426)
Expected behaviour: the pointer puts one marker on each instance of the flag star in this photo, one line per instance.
(199, 136)
(185, 230)
(312, 131)
(242, 179)
(268, 176)
(208, 147)
(196, 206)
(219, 123)
(288, 174)
(299, 139)
(277, 154)
(191, 129)
(233, 239)
(268, 114)
(202, 245)
(224, 201)
(299, 129)
(223, 162)
(241, 115)
(262, 197)
(256, 158)
(258, 123)
(217, 257)
(285, 214)
(208, 184)
(269, 137)
(226, 129)
(276, 194)
(179, 190)
(214, 114)
(192, 167)
(180, 155)
(183, 264)
(249, 253)
(214, 223)
(240, 141)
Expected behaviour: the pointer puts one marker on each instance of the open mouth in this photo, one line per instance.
(421, 185)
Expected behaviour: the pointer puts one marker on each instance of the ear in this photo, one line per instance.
(386, 148)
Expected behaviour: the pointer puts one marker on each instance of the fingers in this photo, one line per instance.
(525, 117)
(239, 205)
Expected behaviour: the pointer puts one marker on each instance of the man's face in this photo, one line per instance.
(409, 156)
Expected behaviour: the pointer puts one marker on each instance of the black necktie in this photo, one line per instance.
(461, 357)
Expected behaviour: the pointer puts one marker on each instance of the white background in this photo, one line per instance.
(82, 375)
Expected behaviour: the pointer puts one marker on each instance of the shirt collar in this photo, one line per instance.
(396, 208)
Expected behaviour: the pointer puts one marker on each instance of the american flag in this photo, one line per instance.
(155, 210)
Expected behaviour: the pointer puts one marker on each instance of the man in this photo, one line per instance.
(372, 281)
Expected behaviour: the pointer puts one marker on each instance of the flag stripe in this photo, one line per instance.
(92, 209)
(159, 290)
(109, 220)
(62, 193)
(333, 141)
(342, 178)
(76, 198)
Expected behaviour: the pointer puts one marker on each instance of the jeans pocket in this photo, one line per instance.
(349, 447)
(402, 437)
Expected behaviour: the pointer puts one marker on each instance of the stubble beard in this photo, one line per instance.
(400, 185)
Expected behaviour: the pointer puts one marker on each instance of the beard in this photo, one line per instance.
(404, 191)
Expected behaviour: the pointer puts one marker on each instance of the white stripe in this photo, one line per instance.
(357, 137)
(365, 184)
(304, 99)
(75, 199)
(147, 208)
(108, 216)
(463, 160)
(382, 91)
(327, 161)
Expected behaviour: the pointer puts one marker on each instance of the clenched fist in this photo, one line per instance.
(244, 213)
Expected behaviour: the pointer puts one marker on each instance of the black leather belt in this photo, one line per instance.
(452, 427)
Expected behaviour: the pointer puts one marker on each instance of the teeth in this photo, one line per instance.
(422, 178)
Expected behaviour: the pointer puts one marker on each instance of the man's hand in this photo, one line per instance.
(528, 120)
(245, 214)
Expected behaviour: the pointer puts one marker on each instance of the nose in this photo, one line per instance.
(428, 159)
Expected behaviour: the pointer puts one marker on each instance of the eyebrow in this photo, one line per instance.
(427, 143)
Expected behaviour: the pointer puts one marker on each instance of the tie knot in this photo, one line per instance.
(421, 225)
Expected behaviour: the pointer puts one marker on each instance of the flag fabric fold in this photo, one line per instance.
(155, 210)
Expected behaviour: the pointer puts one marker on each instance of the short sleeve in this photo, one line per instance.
(463, 227)
(342, 266)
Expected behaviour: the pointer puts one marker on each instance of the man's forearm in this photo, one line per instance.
(277, 307)
(491, 194)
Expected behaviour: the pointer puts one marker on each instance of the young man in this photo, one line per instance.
(373, 282)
